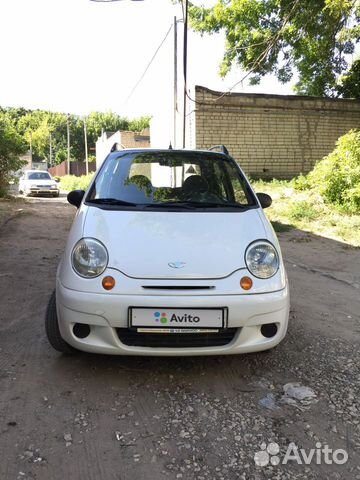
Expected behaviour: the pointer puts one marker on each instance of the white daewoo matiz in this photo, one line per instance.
(170, 253)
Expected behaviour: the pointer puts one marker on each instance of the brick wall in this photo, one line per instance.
(135, 139)
(272, 135)
(124, 138)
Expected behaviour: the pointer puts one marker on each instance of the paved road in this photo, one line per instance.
(111, 418)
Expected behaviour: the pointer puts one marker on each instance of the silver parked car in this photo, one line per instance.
(36, 182)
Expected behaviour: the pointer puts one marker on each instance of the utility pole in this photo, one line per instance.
(50, 152)
(185, 68)
(86, 148)
(68, 143)
(175, 80)
(31, 151)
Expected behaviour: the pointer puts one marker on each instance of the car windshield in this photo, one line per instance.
(39, 176)
(171, 179)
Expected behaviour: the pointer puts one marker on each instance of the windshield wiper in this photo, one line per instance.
(111, 201)
(189, 204)
(170, 204)
(186, 204)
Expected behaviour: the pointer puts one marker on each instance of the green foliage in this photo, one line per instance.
(41, 127)
(314, 38)
(303, 210)
(71, 182)
(306, 210)
(301, 182)
(138, 125)
(11, 147)
(350, 83)
(337, 176)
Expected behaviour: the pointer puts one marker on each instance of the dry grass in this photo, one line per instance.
(307, 211)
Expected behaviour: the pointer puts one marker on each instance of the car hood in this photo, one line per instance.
(41, 182)
(150, 244)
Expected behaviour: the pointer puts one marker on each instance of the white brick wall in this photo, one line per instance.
(273, 135)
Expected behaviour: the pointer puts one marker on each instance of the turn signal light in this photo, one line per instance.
(108, 282)
(246, 283)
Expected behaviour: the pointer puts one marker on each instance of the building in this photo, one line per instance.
(271, 136)
(32, 165)
(124, 138)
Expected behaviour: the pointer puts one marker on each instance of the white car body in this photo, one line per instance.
(184, 264)
(35, 182)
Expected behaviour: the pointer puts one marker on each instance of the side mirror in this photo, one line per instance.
(264, 199)
(75, 197)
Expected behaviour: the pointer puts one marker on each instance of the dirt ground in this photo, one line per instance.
(118, 418)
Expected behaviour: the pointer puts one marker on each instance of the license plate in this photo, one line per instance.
(177, 318)
(177, 330)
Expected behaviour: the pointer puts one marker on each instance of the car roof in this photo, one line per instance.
(171, 151)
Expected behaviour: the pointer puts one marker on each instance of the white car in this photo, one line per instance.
(36, 182)
(170, 253)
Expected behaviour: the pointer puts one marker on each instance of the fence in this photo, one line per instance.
(76, 168)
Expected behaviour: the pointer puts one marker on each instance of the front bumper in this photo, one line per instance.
(106, 313)
(42, 191)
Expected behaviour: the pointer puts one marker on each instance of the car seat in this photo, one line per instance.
(194, 185)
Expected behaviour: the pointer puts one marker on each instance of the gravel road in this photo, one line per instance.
(120, 418)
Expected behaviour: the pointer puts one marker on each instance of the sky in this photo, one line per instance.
(79, 56)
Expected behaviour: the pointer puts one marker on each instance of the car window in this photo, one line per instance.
(152, 178)
(38, 176)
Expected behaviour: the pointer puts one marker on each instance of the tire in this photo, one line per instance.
(52, 328)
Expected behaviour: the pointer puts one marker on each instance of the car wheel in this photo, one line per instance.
(52, 328)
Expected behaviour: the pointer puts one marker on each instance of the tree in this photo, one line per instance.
(11, 146)
(139, 124)
(315, 39)
(40, 127)
(350, 83)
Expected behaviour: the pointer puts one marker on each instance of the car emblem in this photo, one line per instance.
(177, 264)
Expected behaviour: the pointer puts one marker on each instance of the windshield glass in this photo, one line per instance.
(39, 176)
(169, 178)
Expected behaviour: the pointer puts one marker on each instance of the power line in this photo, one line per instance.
(148, 66)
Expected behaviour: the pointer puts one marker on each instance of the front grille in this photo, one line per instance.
(178, 287)
(132, 338)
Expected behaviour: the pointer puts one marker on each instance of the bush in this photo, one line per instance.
(11, 147)
(71, 182)
(301, 183)
(337, 176)
(303, 210)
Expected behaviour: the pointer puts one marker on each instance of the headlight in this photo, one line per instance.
(89, 258)
(262, 259)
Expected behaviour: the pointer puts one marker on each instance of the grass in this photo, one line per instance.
(71, 182)
(306, 210)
